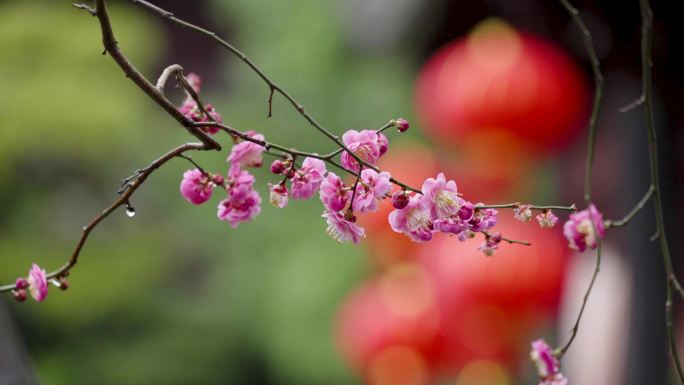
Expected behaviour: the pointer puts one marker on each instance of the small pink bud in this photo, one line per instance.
(21, 283)
(402, 124)
(19, 295)
(400, 200)
(63, 284)
(278, 167)
(218, 180)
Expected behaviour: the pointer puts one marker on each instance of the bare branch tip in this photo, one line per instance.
(85, 7)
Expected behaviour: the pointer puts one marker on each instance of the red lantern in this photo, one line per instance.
(501, 79)
(387, 329)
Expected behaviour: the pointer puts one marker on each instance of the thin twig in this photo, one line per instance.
(633, 104)
(647, 91)
(598, 93)
(111, 47)
(533, 207)
(85, 7)
(591, 147)
(622, 222)
(273, 87)
(122, 200)
(508, 240)
(575, 327)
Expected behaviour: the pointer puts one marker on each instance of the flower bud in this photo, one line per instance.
(21, 283)
(19, 295)
(277, 167)
(218, 180)
(400, 200)
(63, 284)
(401, 124)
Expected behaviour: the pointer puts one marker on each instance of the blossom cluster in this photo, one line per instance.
(192, 110)
(437, 207)
(37, 285)
(548, 366)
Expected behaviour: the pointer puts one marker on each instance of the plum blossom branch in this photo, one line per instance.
(533, 207)
(450, 213)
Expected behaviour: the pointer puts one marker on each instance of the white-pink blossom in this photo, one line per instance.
(37, 283)
(363, 144)
(246, 153)
(414, 220)
(308, 178)
(370, 190)
(342, 229)
(583, 229)
(279, 195)
(334, 193)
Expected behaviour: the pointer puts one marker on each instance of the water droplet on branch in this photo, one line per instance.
(130, 211)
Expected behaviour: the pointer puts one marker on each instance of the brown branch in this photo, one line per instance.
(624, 221)
(123, 200)
(111, 47)
(572, 207)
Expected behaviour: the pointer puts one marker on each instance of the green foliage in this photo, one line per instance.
(173, 296)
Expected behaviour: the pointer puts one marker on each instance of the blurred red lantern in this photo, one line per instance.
(500, 79)
(388, 327)
(490, 305)
(411, 164)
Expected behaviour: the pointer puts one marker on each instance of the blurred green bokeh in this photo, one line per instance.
(174, 296)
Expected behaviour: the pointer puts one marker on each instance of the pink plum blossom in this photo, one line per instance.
(413, 220)
(491, 244)
(19, 295)
(400, 199)
(278, 167)
(308, 178)
(279, 195)
(191, 110)
(37, 283)
(583, 229)
(547, 219)
(363, 144)
(483, 219)
(243, 203)
(370, 190)
(341, 228)
(196, 186)
(441, 197)
(246, 153)
(523, 213)
(383, 144)
(547, 364)
(334, 194)
(195, 81)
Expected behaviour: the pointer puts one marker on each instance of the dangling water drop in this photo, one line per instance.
(130, 211)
